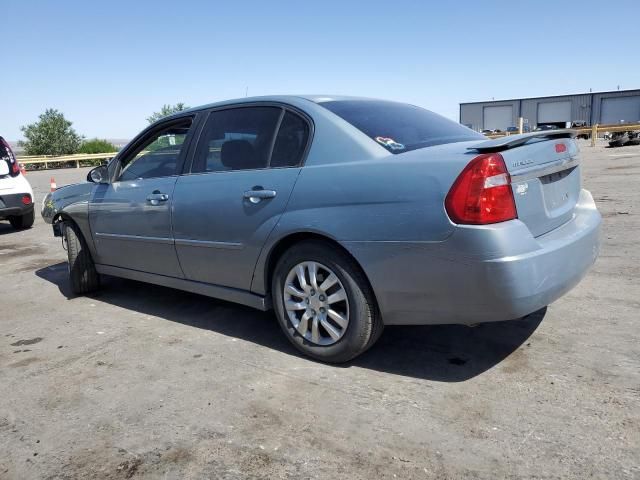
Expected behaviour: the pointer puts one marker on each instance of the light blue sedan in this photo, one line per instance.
(342, 214)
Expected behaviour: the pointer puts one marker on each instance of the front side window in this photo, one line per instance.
(237, 139)
(159, 154)
(400, 127)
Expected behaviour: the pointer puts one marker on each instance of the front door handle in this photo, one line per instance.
(156, 198)
(256, 195)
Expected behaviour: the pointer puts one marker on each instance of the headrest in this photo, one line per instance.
(239, 155)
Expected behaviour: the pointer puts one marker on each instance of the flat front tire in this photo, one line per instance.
(82, 271)
(324, 303)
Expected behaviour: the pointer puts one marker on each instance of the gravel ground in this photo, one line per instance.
(141, 381)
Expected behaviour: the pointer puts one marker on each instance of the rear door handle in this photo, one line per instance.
(258, 194)
(156, 198)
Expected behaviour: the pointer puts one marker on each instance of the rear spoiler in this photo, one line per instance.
(512, 141)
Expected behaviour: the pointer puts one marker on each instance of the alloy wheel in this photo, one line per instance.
(316, 303)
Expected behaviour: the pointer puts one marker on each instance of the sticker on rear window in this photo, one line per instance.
(390, 143)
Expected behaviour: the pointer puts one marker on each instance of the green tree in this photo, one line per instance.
(167, 110)
(97, 145)
(51, 135)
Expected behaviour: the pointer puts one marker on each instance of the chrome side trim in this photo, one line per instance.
(135, 238)
(170, 241)
(208, 244)
(547, 169)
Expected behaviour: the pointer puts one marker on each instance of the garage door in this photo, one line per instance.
(553, 112)
(618, 109)
(497, 117)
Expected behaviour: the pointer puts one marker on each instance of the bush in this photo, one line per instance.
(50, 135)
(167, 110)
(97, 145)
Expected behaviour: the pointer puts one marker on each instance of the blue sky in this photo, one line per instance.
(108, 65)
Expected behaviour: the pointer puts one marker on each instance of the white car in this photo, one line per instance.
(16, 195)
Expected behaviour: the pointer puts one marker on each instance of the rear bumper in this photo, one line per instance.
(481, 273)
(11, 205)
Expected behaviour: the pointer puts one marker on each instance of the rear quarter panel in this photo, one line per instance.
(392, 200)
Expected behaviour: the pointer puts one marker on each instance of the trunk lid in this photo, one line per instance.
(545, 176)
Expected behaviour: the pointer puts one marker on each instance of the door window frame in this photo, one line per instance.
(148, 133)
(284, 107)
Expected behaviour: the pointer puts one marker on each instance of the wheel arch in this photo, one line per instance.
(62, 217)
(81, 222)
(288, 241)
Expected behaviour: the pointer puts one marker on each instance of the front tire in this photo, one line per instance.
(22, 222)
(324, 303)
(82, 271)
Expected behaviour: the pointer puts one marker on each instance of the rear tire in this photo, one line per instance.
(364, 324)
(23, 221)
(82, 271)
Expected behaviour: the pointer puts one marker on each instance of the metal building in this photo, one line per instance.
(604, 108)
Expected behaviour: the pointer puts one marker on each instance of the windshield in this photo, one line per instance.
(399, 127)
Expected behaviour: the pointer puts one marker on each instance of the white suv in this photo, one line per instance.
(16, 195)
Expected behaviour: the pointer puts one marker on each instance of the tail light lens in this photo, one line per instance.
(26, 199)
(482, 193)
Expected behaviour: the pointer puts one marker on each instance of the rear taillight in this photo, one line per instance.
(26, 199)
(482, 193)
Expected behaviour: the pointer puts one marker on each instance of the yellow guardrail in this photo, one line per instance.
(592, 131)
(76, 158)
(606, 128)
(46, 160)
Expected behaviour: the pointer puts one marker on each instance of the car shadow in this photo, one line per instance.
(444, 353)
(6, 228)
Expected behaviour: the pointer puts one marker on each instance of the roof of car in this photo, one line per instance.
(275, 98)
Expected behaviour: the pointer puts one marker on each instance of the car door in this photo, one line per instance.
(244, 168)
(130, 217)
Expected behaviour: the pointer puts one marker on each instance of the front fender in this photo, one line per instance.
(65, 200)
(70, 202)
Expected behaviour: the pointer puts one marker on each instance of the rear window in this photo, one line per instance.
(399, 127)
(6, 155)
(5, 152)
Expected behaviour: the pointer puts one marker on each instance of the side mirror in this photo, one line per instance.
(4, 168)
(98, 175)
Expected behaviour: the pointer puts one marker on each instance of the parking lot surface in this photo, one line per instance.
(140, 381)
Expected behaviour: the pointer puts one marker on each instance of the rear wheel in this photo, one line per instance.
(82, 271)
(22, 221)
(323, 302)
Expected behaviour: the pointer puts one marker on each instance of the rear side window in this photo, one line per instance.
(290, 141)
(399, 127)
(237, 139)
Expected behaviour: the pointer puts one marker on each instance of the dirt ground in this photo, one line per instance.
(141, 381)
